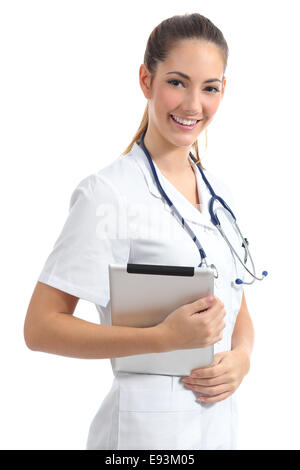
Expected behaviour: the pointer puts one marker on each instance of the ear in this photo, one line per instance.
(223, 87)
(144, 78)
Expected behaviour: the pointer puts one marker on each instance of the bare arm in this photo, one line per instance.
(243, 333)
(51, 327)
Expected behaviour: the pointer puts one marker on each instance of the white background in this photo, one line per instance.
(70, 102)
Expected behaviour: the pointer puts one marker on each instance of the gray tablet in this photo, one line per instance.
(143, 295)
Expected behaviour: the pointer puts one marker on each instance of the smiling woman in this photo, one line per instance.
(182, 79)
(178, 110)
(193, 48)
(188, 122)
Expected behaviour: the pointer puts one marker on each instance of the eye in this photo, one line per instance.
(216, 90)
(172, 82)
(212, 90)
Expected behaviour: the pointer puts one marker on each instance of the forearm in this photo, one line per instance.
(243, 333)
(66, 335)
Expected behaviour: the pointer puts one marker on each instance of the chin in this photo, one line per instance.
(184, 141)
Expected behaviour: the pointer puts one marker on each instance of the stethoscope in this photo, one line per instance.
(214, 220)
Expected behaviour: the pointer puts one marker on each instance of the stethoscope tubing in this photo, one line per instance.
(214, 220)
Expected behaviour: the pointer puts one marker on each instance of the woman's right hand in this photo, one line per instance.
(195, 325)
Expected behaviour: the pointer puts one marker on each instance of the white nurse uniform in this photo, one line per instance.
(119, 216)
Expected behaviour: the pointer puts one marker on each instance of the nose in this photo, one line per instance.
(193, 104)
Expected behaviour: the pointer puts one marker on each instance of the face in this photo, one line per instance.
(194, 96)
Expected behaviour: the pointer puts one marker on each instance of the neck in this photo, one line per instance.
(169, 158)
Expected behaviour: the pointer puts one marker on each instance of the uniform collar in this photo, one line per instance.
(186, 209)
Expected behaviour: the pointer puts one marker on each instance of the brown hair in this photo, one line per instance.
(163, 38)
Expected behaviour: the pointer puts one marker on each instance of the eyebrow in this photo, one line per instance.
(188, 78)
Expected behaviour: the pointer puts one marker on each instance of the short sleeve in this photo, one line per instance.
(92, 237)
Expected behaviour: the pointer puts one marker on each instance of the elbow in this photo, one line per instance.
(29, 342)
(30, 337)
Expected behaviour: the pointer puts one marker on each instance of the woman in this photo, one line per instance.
(119, 216)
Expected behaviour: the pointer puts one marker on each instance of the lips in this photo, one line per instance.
(184, 127)
(184, 118)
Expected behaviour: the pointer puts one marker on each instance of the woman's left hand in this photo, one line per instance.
(222, 378)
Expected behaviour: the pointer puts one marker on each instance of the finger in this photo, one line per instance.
(202, 304)
(214, 313)
(213, 391)
(217, 359)
(217, 321)
(209, 382)
(214, 399)
(209, 372)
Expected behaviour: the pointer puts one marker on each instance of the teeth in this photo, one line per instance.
(183, 121)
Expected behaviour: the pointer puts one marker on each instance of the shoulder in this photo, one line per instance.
(119, 170)
(108, 183)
